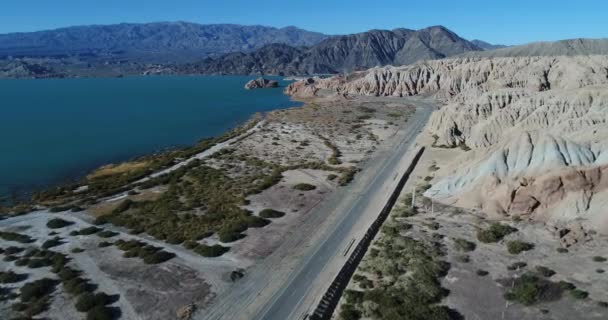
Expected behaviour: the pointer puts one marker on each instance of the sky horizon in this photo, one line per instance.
(515, 22)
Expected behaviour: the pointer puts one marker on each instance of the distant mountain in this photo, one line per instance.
(342, 53)
(570, 47)
(160, 42)
(487, 46)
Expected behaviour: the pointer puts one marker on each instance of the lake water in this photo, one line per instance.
(59, 129)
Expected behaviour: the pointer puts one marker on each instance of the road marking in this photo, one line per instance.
(349, 246)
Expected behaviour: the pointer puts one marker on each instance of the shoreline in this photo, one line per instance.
(24, 194)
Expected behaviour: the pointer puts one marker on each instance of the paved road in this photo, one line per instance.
(314, 268)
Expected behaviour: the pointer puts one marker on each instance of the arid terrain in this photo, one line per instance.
(164, 235)
(507, 220)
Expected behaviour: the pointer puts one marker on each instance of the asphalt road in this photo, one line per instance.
(299, 288)
(285, 304)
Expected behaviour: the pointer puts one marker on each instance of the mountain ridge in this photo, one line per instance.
(345, 53)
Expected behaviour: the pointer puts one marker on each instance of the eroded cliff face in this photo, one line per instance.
(537, 127)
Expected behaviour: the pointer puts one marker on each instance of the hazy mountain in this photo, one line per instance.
(571, 47)
(487, 46)
(343, 53)
(171, 41)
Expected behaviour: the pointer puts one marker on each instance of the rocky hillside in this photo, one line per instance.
(570, 47)
(537, 127)
(487, 46)
(174, 41)
(343, 53)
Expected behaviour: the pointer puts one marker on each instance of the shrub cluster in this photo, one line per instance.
(270, 214)
(57, 223)
(494, 233)
(148, 253)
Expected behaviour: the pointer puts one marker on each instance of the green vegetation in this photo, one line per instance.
(599, 259)
(562, 250)
(304, 187)
(270, 214)
(545, 272)
(210, 251)
(334, 159)
(107, 234)
(482, 273)
(58, 223)
(579, 294)
(407, 280)
(52, 243)
(517, 266)
(494, 233)
(516, 246)
(35, 296)
(88, 301)
(11, 277)
(464, 245)
(148, 253)
(530, 289)
(16, 237)
(13, 250)
(332, 177)
(88, 231)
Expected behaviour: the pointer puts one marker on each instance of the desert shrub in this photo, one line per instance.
(332, 177)
(77, 286)
(16, 237)
(104, 244)
(304, 187)
(482, 273)
(37, 289)
(100, 313)
(602, 304)
(530, 289)
(88, 301)
(566, 286)
(270, 213)
(57, 223)
(516, 246)
(544, 271)
(211, 251)
(517, 265)
(158, 257)
(107, 234)
(348, 312)
(464, 245)
(463, 258)
(600, 270)
(13, 250)
(89, 230)
(52, 243)
(599, 259)
(68, 273)
(228, 237)
(11, 277)
(562, 250)
(10, 258)
(494, 233)
(124, 206)
(579, 294)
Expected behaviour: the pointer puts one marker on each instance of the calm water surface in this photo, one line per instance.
(59, 129)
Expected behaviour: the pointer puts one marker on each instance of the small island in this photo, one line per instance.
(260, 83)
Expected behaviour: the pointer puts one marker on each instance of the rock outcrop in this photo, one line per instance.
(260, 83)
(537, 127)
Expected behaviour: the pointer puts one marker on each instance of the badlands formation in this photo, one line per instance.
(533, 128)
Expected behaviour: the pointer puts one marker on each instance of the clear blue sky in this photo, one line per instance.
(505, 21)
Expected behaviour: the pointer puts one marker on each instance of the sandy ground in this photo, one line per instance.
(286, 137)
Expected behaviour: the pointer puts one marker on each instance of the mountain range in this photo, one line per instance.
(342, 53)
(173, 42)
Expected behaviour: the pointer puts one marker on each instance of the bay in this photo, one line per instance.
(56, 130)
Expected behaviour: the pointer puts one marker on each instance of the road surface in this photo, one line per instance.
(289, 283)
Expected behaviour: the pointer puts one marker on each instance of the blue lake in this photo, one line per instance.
(60, 129)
